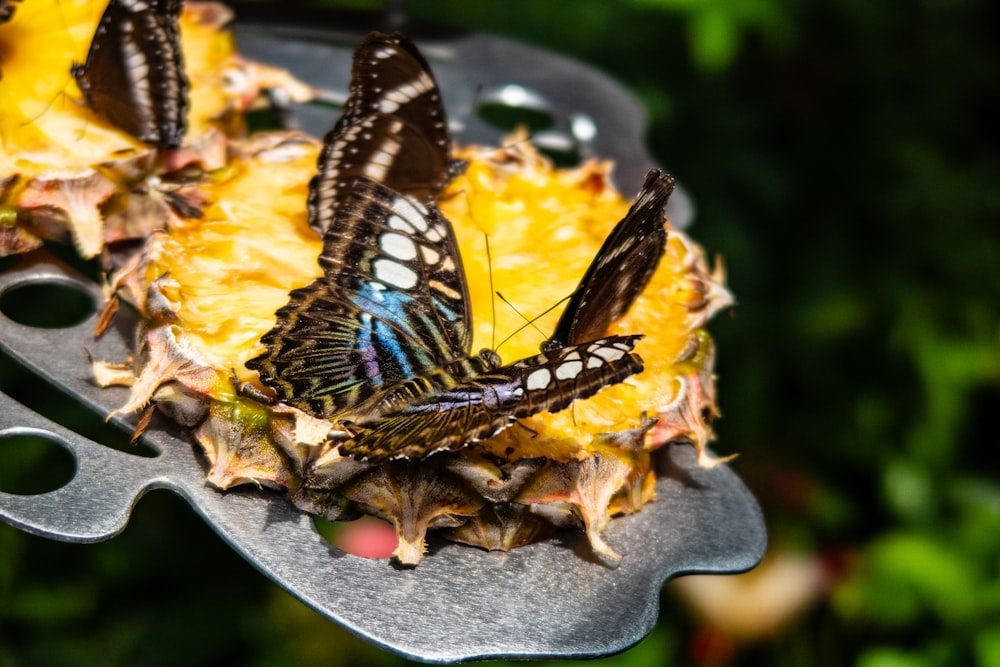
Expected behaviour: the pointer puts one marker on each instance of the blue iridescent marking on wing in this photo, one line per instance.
(375, 318)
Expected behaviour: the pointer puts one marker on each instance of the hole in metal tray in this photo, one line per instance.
(31, 464)
(559, 147)
(513, 106)
(47, 304)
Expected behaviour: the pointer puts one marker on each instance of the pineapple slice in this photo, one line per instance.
(208, 289)
(66, 174)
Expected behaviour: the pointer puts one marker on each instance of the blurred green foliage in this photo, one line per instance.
(844, 160)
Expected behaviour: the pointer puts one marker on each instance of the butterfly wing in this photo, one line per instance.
(392, 305)
(393, 130)
(134, 73)
(621, 269)
(488, 403)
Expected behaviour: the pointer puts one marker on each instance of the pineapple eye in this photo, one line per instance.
(47, 305)
(32, 464)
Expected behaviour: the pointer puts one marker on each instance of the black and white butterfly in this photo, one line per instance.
(393, 130)
(133, 76)
(381, 343)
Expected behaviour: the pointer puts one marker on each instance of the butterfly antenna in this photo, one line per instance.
(528, 322)
(489, 266)
(493, 302)
(48, 105)
(62, 91)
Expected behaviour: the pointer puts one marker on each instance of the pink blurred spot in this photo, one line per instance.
(367, 537)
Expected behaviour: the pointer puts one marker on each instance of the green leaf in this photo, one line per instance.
(987, 647)
(891, 657)
(714, 39)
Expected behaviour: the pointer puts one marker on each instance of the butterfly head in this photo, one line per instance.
(489, 359)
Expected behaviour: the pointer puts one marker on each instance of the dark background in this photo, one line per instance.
(843, 160)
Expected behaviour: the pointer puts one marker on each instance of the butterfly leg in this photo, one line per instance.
(249, 390)
(521, 424)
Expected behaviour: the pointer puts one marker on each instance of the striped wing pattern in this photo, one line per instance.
(393, 130)
(391, 306)
(133, 76)
(570, 366)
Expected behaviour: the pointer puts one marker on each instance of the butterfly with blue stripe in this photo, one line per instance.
(381, 342)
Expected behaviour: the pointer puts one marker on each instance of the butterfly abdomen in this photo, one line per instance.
(434, 381)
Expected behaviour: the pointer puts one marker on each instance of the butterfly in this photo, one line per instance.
(381, 342)
(133, 76)
(393, 130)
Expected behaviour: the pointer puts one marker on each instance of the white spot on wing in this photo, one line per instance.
(396, 222)
(382, 159)
(137, 68)
(405, 208)
(435, 233)
(405, 93)
(569, 370)
(609, 354)
(431, 256)
(538, 379)
(394, 274)
(398, 246)
(445, 290)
